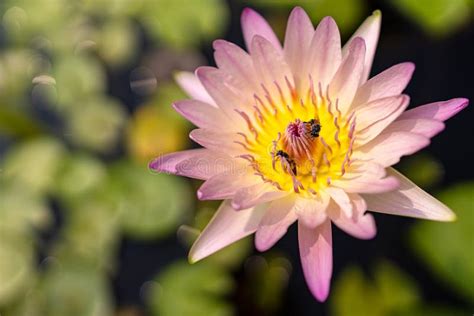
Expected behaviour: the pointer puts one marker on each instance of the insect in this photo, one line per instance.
(314, 128)
(285, 157)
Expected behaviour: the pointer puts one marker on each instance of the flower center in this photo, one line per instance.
(300, 143)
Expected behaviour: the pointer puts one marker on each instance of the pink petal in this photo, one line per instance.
(203, 115)
(225, 185)
(374, 117)
(326, 52)
(341, 198)
(271, 67)
(225, 94)
(315, 246)
(388, 83)
(235, 61)
(388, 148)
(299, 33)
(358, 225)
(217, 141)
(278, 217)
(312, 211)
(167, 163)
(254, 24)
(425, 127)
(440, 111)
(193, 87)
(409, 200)
(346, 81)
(257, 194)
(227, 226)
(369, 31)
(367, 184)
(205, 167)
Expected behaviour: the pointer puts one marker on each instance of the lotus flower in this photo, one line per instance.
(298, 133)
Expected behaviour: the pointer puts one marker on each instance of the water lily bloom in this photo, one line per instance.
(298, 133)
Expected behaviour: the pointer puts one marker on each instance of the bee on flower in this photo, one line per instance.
(306, 137)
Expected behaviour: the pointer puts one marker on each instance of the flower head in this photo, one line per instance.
(298, 133)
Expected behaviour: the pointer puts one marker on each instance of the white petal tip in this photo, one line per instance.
(377, 13)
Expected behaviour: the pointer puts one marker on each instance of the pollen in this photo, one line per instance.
(298, 143)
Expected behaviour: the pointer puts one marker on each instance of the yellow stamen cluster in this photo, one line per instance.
(299, 142)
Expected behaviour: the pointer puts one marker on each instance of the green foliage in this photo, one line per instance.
(198, 20)
(95, 123)
(71, 289)
(34, 164)
(151, 205)
(199, 289)
(391, 291)
(447, 247)
(422, 169)
(437, 17)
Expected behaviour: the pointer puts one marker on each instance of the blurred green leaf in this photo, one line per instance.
(423, 169)
(198, 20)
(117, 41)
(16, 266)
(432, 310)
(447, 247)
(183, 289)
(75, 290)
(77, 78)
(95, 123)
(18, 66)
(90, 234)
(391, 291)
(20, 211)
(80, 174)
(151, 205)
(266, 281)
(437, 17)
(33, 165)
(17, 123)
(24, 19)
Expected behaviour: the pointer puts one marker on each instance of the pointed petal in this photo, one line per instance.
(299, 33)
(388, 148)
(375, 116)
(235, 61)
(256, 194)
(217, 141)
(193, 87)
(341, 198)
(369, 31)
(358, 225)
(272, 68)
(425, 127)
(218, 85)
(440, 111)
(388, 83)
(326, 52)
(225, 185)
(346, 81)
(315, 245)
(168, 163)
(278, 217)
(205, 167)
(312, 212)
(365, 184)
(203, 115)
(227, 226)
(254, 24)
(409, 200)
